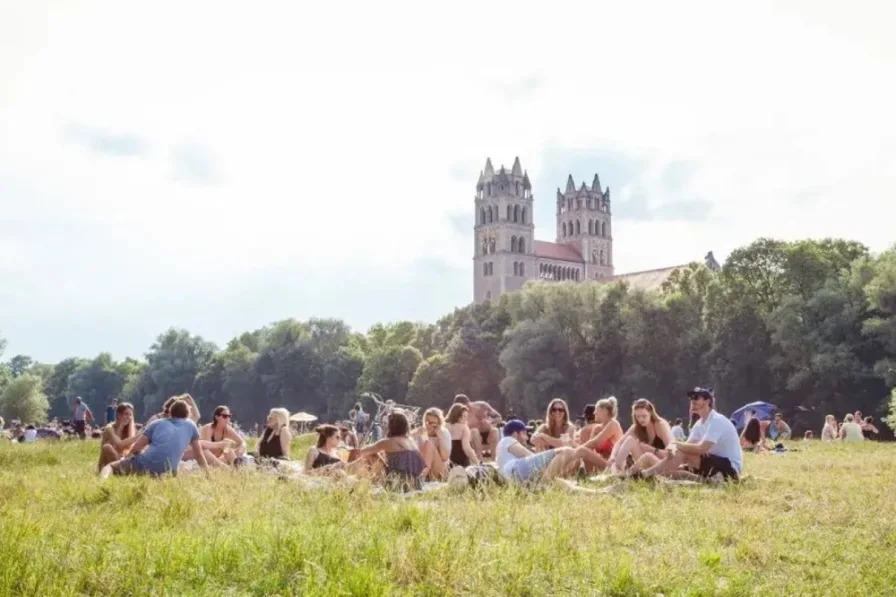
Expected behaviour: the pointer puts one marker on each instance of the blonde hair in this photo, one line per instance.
(610, 405)
(848, 418)
(434, 412)
(282, 416)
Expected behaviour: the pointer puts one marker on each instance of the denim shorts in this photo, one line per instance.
(529, 468)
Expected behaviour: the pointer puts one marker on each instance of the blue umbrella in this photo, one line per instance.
(764, 411)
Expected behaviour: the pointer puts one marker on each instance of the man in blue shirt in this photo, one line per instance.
(165, 441)
(110, 412)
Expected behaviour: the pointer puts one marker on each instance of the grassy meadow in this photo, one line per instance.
(815, 522)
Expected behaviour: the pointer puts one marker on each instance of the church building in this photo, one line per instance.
(507, 254)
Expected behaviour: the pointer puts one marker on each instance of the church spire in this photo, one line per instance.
(595, 186)
(570, 185)
(517, 169)
(489, 169)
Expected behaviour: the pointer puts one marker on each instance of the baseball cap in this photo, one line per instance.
(513, 426)
(699, 392)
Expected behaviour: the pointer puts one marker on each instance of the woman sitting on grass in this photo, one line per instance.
(403, 464)
(851, 431)
(220, 438)
(462, 452)
(434, 443)
(118, 436)
(557, 432)
(166, 409)
(275, 442)
(646, 440)
(830, 431)
(751, 437)
(324, 457)
(604, 435)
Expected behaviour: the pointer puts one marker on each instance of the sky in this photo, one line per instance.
(218, 166)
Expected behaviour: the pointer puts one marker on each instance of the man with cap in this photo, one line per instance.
(518, 463)
(712, 448)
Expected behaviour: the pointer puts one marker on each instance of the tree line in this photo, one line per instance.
(807, 325)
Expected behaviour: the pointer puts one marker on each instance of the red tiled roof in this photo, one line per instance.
(557, 251)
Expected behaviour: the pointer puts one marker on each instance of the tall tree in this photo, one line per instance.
(24, 400)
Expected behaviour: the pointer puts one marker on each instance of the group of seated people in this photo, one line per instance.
(853, 428)
(444, 446)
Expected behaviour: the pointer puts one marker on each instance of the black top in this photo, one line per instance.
(269, 446)
(458, 456)
(323, 459)
(658, 443)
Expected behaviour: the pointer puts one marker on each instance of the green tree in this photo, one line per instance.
(56, 385)
(19, 364)
(23, 399)
(388, 371)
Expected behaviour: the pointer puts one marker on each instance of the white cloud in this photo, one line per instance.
(334, 135)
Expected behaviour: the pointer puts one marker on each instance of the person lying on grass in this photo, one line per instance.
(119, 436)
(161, 446)
(712, 448)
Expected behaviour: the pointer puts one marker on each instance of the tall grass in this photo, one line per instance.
(815, 522)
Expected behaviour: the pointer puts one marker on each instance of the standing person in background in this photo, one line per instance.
(678, 431)
(110, 411)
(80, 415)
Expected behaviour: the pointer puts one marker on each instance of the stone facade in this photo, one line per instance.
(506, 254)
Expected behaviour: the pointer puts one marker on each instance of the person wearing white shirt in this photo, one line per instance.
(713, 447)
(678, 431)
(434, 442)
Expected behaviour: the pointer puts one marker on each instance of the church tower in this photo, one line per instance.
(504, 235)
(584, 222)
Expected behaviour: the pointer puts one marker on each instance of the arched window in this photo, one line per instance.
(522, 269)
(516, 268)
(489, 214)
(564, 229)
(523, 215)
(602, 257)
(491, 245)
(569, 204)
(491, 268)
(482, 216)
(484, 269)
(489, 187)
(516, 213)
(521, 246)
(590, 226)
(513, 244)
(517, 189)
(508, 213)
(578, 204)
(603, 229)
(578, 227)
(485, 246)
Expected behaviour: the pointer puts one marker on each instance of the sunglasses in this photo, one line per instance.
(558, 409)
(226, 416)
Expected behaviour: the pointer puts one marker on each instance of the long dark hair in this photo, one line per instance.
(325, 432)
(753, 432)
